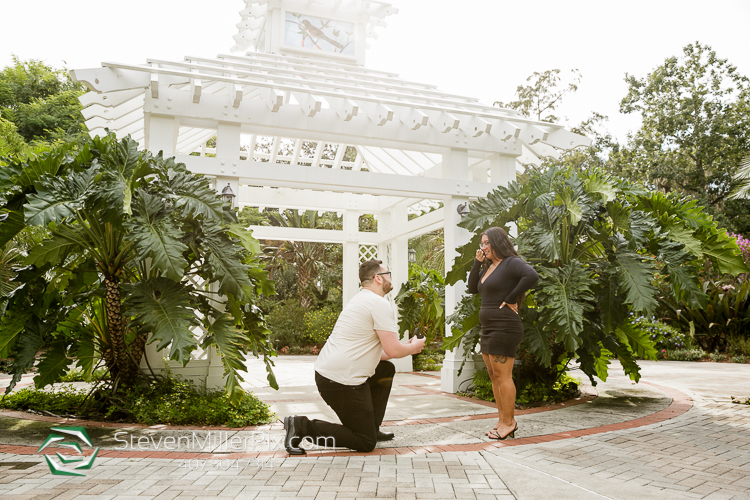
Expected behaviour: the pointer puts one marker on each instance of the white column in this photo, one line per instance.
(399, 267)
(228, 150)
(502, 169)
(228, 141)
(162, 134)
(455, 166)
(350, 285)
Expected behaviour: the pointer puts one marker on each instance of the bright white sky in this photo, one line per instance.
(478, 48)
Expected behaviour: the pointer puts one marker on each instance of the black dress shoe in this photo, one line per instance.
(385, 436)
(291, 434)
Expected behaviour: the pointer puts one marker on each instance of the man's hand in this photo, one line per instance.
(418, 344)
(393, 348)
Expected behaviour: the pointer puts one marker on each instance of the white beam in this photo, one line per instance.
(256, 117)
(314, 235)
(310, 200)
(324, 179)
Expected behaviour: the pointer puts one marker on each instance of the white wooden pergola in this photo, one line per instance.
(296, 78)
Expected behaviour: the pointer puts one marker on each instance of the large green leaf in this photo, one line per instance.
(12, 222)
(44, 165)
(634, 276)
(246, 237)
(193, 196)
(685, 236)
(227, 268)
(638, 340)
(165, 309)
(53, 365)
(57, 198)
(611, 303)
(535, 337)
(155, 236)
(725, 253)
(463, 261)
(54, 249)
(574, 209)
(597, 184)
(627, 361)
(502, 201)
(231, 344)
(11, 325)
(566, 294)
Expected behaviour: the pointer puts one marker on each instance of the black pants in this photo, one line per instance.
(360, 408)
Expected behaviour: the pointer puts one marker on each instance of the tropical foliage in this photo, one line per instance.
(38, 104)
(136, 250)
(310, 259)
(594, 241)
(421, 303)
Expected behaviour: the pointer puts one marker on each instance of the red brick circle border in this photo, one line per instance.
(681, 403)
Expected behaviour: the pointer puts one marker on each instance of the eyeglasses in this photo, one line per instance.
(482, 245)
(381, 274)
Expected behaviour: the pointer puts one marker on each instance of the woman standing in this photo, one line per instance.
(502, 278)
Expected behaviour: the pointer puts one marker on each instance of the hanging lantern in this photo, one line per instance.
(227, 195)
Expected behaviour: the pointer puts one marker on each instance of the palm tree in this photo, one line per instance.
(310, 259)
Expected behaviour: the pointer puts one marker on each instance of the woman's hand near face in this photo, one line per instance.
(480, 255)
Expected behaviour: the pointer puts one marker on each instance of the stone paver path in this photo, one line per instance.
(703, 451)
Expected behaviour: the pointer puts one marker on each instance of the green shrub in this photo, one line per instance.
(286, 321)
(168, 401)
(78, 375)
(179, 402)
(319, 324)
(725, 317)
(738, 346)
(685, 354)
(430, 359)
(65, 399)
(718, 357)
(483, 386)
(663, 335)
(739, 359)
(566, 387)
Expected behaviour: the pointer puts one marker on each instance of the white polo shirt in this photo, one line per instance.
(352, 352)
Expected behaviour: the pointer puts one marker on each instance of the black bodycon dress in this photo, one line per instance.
(502, 329)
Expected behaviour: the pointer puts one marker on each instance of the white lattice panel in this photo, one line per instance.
(367, 252)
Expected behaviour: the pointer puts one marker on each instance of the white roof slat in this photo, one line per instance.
(491, 113)
(465, 104)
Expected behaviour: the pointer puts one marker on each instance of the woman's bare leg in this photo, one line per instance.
(502, 373)
(495, 388)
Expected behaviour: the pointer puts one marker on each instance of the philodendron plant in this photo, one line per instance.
(597, 243)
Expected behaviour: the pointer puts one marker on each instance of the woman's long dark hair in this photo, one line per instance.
(501, 246)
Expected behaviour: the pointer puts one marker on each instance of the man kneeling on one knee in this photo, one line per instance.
(352, 373)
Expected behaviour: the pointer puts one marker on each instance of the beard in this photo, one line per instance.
(387, 286)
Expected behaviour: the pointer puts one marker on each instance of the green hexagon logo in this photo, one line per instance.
(63, 465)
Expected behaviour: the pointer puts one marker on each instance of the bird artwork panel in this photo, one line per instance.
(315, 33)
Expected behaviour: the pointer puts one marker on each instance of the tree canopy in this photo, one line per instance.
(695, 132)
(38, 104)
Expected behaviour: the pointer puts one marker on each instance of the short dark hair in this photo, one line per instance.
(369, 269)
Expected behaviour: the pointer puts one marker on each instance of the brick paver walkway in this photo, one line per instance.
(704, 453)
(696, 447)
